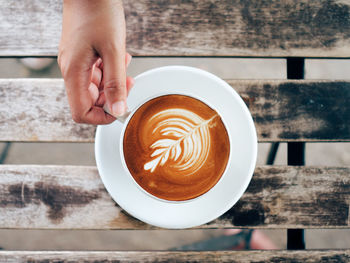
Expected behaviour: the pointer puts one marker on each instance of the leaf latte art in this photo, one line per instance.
(185, 140)
(176, 147)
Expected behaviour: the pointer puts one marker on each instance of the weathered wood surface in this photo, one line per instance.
(310, 256)
(307, 28)
(298, 110)
(73, 197)
(38, 110)
(283, 110)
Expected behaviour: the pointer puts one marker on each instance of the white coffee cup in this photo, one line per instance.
(129, 117)
(218, 95)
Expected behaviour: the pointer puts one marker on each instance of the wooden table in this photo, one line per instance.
(296, 111)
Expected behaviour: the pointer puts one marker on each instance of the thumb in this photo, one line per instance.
(114, 74)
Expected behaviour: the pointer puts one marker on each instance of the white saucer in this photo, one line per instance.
(238, 121)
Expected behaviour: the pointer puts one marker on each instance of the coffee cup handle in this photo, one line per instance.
(121, 118)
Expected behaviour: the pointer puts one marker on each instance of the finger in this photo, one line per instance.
(96, 75)
(128, 58)
(81, 92)
(99, 63)
(130, 82)
(97, 116)
(77, 75)
(114, 73)
(94, 92)
(102, 98)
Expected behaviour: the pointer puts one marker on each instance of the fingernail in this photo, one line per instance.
(118, 108)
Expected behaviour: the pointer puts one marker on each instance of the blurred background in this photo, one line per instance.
(326, 154)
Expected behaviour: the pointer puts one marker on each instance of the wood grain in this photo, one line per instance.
(38, 110)
(73, 197)
(307, 28)
(310, 256)
(284, 110)
(298, 110)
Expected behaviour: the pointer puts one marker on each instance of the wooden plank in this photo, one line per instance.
(310, 256)
(73, 197)
(283, 110)
(298, 110)
(37, 110)
(307, 28)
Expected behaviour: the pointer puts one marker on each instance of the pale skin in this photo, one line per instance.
(93, 59)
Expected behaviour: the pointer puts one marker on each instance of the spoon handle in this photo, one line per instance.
(120, 118)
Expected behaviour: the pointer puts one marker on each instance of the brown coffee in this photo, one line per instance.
(176, 147)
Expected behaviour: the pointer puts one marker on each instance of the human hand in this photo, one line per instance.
(93, 60)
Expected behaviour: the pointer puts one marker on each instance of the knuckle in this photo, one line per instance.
(115, 85)
(68, 68)
(115, 48)
(68, 63)
(60, 57)
(63, 69)
(112, 47)
(77, 117)
(62, 65)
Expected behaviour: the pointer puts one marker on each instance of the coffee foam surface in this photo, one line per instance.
(185, 139)
(176, 147)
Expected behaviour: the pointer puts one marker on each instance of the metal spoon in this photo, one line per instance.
(120, 118)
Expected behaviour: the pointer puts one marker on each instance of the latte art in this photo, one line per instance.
(176, 147)
(185, 140)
